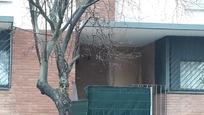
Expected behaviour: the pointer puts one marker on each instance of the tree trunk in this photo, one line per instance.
(63, 109)
(62, 112)
(59, 96)
(62, 102)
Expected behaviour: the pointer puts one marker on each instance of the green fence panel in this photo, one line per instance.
(79, 107)
(108, 100)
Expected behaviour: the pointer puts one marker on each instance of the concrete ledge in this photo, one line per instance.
(7, 19)
(6, 22)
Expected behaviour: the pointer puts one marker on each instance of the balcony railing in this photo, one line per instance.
(144, 99)
(158, 98)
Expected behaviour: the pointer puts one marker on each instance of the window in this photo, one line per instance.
(180, 63)
(5, 61)
(197, 5)
(192, 75)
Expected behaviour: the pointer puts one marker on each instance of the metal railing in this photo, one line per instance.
(158, 98)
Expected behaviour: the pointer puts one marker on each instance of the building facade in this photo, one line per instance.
(163, 59)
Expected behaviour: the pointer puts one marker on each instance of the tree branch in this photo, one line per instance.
(35, 28)
(74, 20)
(82, 27)
(37, 5)
(76, 47)
(89, 4)
(68, 22)
(73, 61)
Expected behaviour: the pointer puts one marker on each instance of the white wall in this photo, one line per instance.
(19, 10)
(160, 11)
(5, 8)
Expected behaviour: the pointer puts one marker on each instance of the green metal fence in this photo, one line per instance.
(139, 99)
(107, 100)
(79, 107)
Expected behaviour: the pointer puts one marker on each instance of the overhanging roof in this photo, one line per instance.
(6, 22)
(139, 34)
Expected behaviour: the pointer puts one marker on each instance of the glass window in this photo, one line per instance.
(197, 5)
(4, 59)
(192, 75)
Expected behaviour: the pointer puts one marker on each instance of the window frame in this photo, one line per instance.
(10, 62)
(198, 6)
(192, 80)
(179, 89)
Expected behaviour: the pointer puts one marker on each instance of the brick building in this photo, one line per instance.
(19, 68)
(150, 53)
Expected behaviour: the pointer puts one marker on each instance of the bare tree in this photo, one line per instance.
(61, 17)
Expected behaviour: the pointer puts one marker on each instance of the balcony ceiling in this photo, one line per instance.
(138, 34)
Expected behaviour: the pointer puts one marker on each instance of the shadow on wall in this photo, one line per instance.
(123, 67)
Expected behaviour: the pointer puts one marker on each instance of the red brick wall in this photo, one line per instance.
(24, 98)
(105, 9)
(185, 104)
